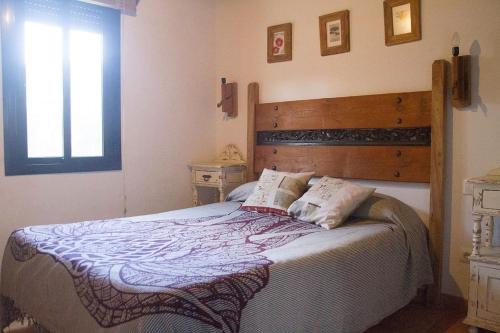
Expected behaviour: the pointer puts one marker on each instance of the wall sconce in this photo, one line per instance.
(229, 98)
(460, 76)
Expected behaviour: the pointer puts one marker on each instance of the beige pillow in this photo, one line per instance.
(329, 202)
(276, 191)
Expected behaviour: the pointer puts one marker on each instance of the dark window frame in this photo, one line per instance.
(14, 97)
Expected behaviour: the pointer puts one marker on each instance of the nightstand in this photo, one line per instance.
(484, 282)
(224, 174)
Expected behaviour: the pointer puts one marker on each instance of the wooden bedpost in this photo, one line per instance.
(438, 121)
(253, 100)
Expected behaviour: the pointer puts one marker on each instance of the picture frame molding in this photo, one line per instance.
(288, 30)
(343, 16)
(416, 26)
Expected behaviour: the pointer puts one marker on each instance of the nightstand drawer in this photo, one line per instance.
(491, 199)
(235, 178)
(486, 199)
(207, 177)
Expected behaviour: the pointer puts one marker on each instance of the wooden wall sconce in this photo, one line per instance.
(229, 98)
(460, 77)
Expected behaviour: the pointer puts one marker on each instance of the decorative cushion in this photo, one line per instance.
(329, 202)
(276, 191)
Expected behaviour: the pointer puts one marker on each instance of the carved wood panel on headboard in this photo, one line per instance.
(337, 136)
(391, 137)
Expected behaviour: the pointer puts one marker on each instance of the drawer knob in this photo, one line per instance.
(206, 177)
(274, 168)
(397, 174)
(275, 151)
(398, 153)
(399, 100)
(275, 124)
(276, 108)
(399, 121)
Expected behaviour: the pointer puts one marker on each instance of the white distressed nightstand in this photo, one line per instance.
(484, 283)
(224, 174)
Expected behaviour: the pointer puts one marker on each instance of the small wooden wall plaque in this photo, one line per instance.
(461, 81)
(229, 98)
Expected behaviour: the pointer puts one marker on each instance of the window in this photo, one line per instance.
(61, 87)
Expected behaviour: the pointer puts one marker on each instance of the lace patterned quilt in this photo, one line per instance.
(203, 268)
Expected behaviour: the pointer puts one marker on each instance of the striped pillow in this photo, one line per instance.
(276, 191)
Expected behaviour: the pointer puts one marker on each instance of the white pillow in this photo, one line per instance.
(275, 191)
(329, 202)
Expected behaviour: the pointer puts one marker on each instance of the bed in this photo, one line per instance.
(218, 268)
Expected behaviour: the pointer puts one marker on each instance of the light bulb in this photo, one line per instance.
(455, 43)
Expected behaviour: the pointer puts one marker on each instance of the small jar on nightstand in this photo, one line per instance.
(484, 281)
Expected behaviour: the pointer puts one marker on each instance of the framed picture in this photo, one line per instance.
(402, 21)
(279, 43)
(334, 33)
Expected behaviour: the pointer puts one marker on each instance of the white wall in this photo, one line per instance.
(371, 67)
(168, 94)
(168, 66)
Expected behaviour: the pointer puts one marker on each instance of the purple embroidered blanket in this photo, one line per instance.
(206, 268)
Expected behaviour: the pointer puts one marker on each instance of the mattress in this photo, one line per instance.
(216, 268)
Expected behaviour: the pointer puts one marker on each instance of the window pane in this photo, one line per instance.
(43, 54)
(86, 58)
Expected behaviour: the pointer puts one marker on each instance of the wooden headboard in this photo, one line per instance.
(391, 137)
